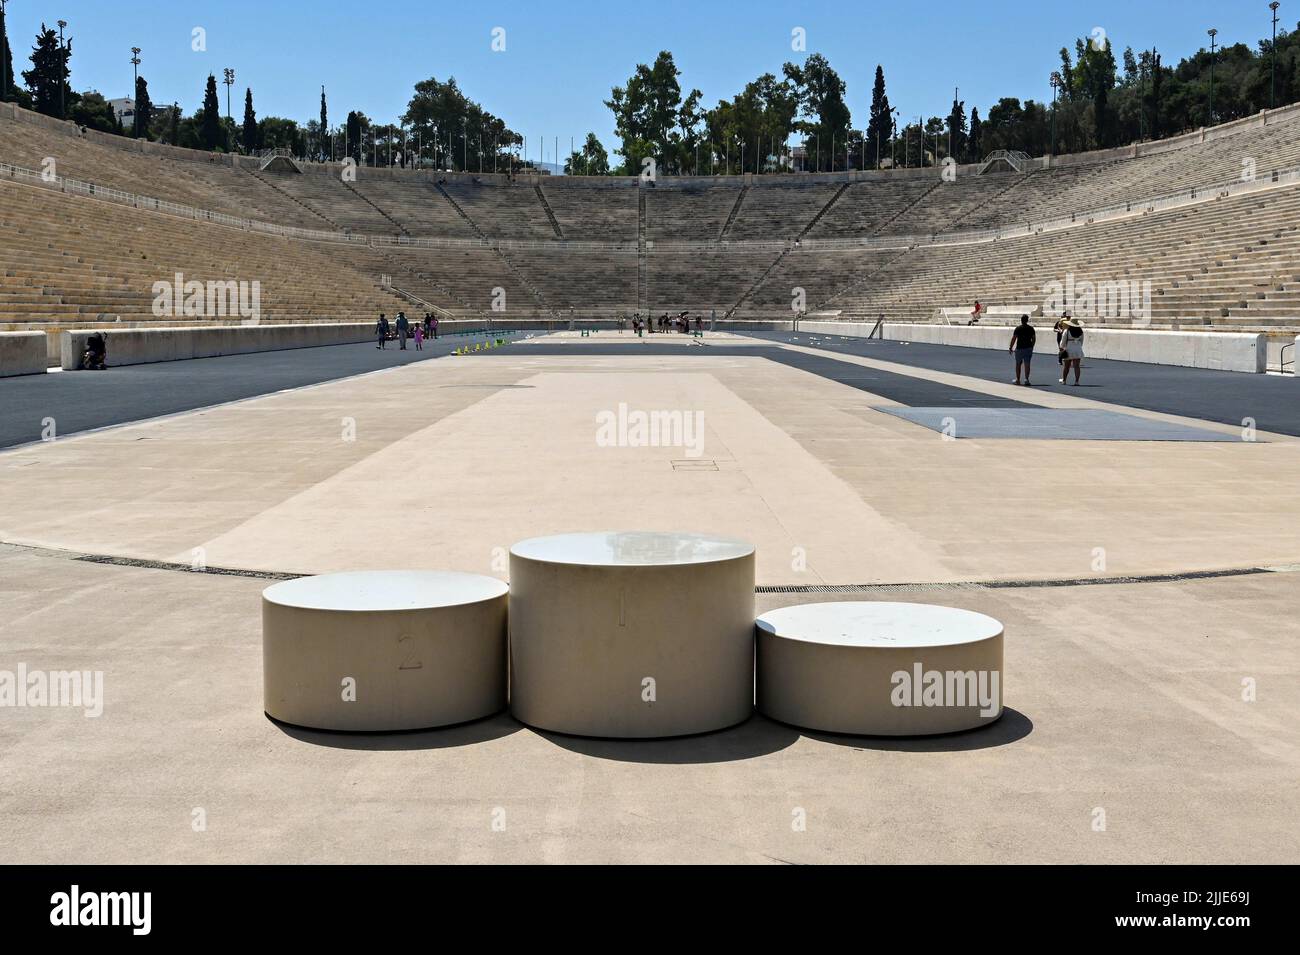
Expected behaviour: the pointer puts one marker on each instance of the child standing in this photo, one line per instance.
(419, 337)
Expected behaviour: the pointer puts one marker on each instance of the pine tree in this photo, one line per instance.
(973, 151)
(210, 128)
(250, 123)
(48, 77)
(143, 108)
(880, 125)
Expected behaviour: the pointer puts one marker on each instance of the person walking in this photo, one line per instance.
(419, 338)
(403, 329)
(1022, 344)
(1072, 346)
(381, 331)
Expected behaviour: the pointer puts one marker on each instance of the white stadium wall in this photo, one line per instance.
(139, 346)
(22, 353)
(1224, 351)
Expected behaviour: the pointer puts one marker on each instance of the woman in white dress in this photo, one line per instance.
(1072, 345)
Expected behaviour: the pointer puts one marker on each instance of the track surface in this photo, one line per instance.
(1228, 397)
(85, 400)
(82, 401)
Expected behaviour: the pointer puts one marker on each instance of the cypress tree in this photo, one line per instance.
(957, 129)
(210, 127)
(143, 108)
(879, 126)
(6, 64)
(354, 136)
(250, 123)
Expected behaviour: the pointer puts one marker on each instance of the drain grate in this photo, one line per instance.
(861, 588)
(916, 587)
(1013, 584)
(184, 568)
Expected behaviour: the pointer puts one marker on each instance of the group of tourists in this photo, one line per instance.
(1069, 347)
(680, 322)
(402, 329)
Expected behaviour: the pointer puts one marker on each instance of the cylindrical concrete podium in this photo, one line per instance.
(631, 635)
(879, 669)
(384, 650)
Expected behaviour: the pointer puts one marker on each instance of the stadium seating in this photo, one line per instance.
(905, 244)
(68, 262)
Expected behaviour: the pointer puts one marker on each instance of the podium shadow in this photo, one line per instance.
(1011, 727)
(443, 737)
(757, 736)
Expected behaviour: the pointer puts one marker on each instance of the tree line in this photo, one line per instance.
(797, 120)
(1097, 103)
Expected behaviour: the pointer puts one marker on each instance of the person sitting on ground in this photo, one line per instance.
(1022, 343)
(1072, 345)
(96, 353)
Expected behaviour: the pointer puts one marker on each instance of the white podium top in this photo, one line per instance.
(871, 624)
(378, 590)
(631, 548)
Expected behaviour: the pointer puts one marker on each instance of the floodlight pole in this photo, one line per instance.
(1056, 84)
(63, 65)
(1213, 34)
(1272, 94)
(135, 109)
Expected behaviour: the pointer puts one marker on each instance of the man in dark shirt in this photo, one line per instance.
(1022, 344)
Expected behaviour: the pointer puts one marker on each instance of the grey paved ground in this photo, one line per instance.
(1076, 424)
(80, 401)
(1273, 401)
(83, 400)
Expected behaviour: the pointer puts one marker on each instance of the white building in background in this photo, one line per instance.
(124, 108)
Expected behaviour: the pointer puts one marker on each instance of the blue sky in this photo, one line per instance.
(562, 58)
